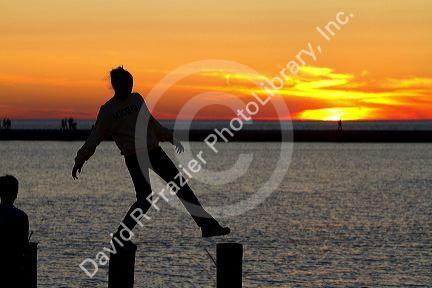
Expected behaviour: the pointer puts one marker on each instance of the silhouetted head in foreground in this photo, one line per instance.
(122, 82)
(8, 189)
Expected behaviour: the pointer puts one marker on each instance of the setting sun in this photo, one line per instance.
(336, 114)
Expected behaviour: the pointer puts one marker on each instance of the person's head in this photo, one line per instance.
(8, 189)
(121, 81)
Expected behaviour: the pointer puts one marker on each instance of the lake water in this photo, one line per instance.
(345, 215)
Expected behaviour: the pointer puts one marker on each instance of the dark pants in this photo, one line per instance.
(162, 165)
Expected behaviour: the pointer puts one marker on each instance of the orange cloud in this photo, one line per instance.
(321, 93)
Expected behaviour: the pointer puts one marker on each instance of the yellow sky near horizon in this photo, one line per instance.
(56, 55)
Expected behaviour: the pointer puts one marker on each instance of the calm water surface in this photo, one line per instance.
(346, 215)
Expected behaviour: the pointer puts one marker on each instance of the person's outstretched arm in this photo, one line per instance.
(163, 134)
(87, 150)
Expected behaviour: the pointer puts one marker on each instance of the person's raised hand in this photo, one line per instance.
(76, 168)
(178, 146)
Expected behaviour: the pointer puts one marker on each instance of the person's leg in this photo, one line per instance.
(140, 178)
(166, 169)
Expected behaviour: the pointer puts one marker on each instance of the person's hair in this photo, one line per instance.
(121, 79)
(8, 188)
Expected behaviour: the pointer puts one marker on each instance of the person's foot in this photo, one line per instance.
(214, 230)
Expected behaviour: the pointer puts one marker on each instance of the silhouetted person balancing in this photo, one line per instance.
(14, 230)
(118, 118)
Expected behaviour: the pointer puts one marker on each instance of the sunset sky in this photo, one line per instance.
(56, 56)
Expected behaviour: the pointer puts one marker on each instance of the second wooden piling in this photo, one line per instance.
(229, 259)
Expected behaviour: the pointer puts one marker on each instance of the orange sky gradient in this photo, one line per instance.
(56, 56)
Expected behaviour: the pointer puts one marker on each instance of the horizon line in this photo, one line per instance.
(228, 119)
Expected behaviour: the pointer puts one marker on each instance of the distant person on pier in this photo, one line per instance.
(72, 124)
(117, 118)
(340, 125)
(14, 230)
(7, 123)
(63, 124)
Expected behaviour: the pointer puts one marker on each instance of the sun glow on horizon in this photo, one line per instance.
(336, 114)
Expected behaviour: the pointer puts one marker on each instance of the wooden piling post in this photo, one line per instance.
(122, 267)
(229, 260)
